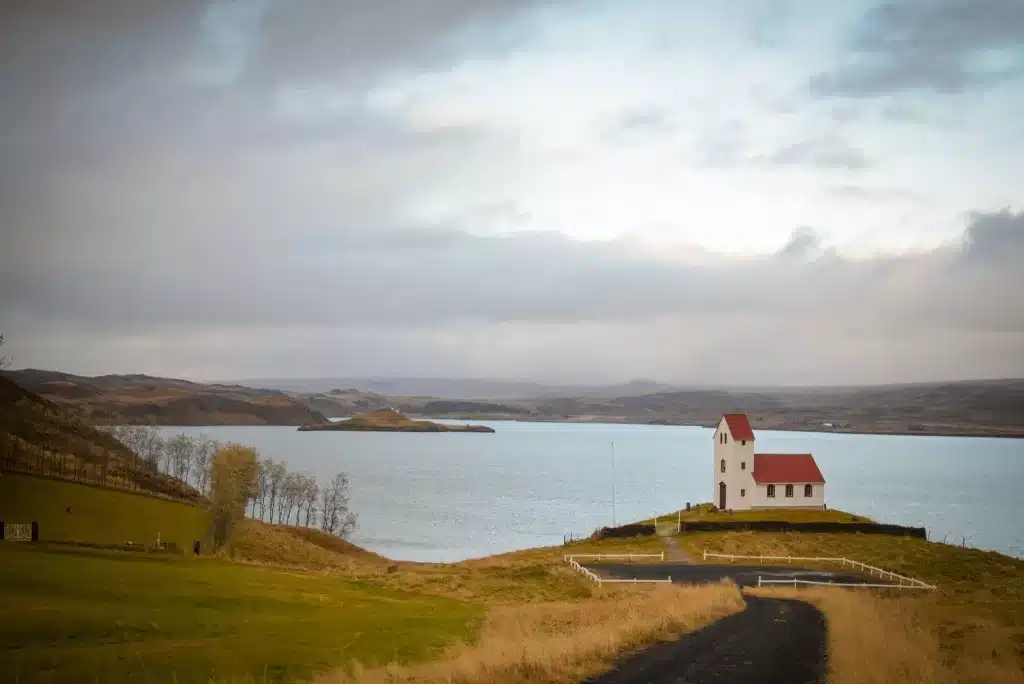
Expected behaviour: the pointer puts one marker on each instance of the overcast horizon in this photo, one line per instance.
(558, 192)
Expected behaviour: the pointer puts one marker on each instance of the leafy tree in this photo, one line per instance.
(234, 478)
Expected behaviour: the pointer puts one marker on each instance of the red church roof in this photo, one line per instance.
(786, 468)
(739, 426)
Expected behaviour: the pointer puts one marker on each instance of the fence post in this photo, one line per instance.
(35, 531)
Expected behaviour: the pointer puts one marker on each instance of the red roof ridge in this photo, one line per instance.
(786, 468)
(739, 426)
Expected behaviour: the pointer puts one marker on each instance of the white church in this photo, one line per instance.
(745, 480)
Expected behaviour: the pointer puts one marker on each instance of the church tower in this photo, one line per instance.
(734, 463)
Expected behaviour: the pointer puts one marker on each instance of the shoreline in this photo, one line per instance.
(622, 420)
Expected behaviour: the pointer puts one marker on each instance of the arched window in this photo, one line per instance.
(771, 491)
(722, 466)
(725, 438)
(789, 491)
(808, 490)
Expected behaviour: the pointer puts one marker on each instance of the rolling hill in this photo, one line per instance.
(37, 435)
(146, 400)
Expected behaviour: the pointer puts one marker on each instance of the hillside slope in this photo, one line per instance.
(146, 400)
(40, 436)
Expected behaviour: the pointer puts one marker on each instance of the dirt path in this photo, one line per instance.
(773, 641)
(673, 552)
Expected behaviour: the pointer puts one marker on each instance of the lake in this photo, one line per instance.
(447, 497)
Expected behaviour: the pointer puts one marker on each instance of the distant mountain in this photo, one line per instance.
(456, 388)
(983, 408)
(147, 400)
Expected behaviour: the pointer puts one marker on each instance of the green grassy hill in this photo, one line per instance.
(75, 512)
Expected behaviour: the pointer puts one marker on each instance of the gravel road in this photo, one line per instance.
(772, 641)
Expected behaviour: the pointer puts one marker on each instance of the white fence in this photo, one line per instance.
(902, 581)
(571, 559)
(619, 556)
(862, 585)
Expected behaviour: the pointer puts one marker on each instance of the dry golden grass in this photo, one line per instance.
(876, 639)
(562, 641)
(977, 611)
(293, 547)
(531, 576)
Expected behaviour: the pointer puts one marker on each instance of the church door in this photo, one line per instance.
(721, 496)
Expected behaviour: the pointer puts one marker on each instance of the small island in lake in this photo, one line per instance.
(388, 420)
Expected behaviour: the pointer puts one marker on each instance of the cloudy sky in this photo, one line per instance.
(773, 191)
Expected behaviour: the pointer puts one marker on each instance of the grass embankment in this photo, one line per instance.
(707, 513)
(71, 512)
(976, 616)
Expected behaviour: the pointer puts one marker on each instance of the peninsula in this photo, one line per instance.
(389, 420)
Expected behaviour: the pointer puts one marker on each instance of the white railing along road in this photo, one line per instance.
(902, 581)
(571, 559)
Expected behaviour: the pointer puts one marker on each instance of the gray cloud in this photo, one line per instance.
(163, 211)
(416, 283)
(863, 193)
(802, 243)
(336, 40)
(648, 119)
(944, 46)
(995, 236)
(823, 153)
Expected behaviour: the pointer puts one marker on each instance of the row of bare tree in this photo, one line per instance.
(297, 499)
(276, 495)
(185, 457)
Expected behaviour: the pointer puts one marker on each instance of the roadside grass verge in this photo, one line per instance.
(546, 643)
(977, 610)
(76, 615)
(73, 512)
(876, 638)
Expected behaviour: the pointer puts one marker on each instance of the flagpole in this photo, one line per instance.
(613, 484)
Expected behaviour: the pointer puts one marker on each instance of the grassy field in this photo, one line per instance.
(99, 616)
(707, 513)
(977, 611)
(295, 604)
(69, 511)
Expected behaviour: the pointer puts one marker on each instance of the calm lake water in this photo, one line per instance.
(447, 497)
